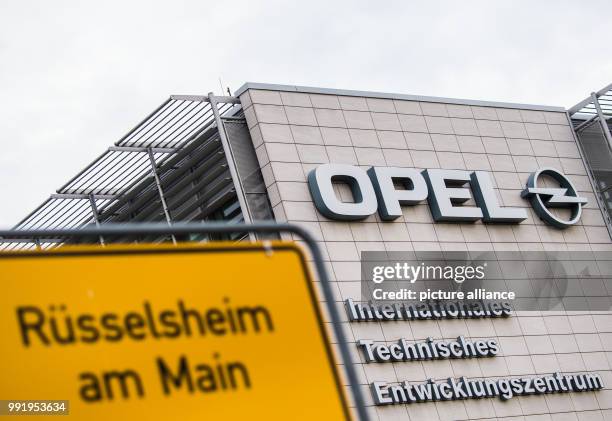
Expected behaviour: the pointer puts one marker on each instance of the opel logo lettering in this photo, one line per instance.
(544, 198)
(387, 189)
(448, 192)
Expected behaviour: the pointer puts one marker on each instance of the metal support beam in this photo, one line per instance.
(160, 191)
(602, 120)
(196, 98)
(231, 161)
(96, 216)
(83, 196)
(586, 101)
(35, 240)
(585, 124)
(203, 98)
(224, 99)
(197, 193)
(141, 149)
(110, 193)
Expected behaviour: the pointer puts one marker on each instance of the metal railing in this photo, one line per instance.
(592, 120)
(175, 165)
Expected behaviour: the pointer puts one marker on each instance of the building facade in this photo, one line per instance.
(179, 165)
(295, 130)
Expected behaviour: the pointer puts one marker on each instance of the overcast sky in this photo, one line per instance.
(75, 76)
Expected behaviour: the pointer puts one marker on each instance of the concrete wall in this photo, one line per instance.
(294, 132)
